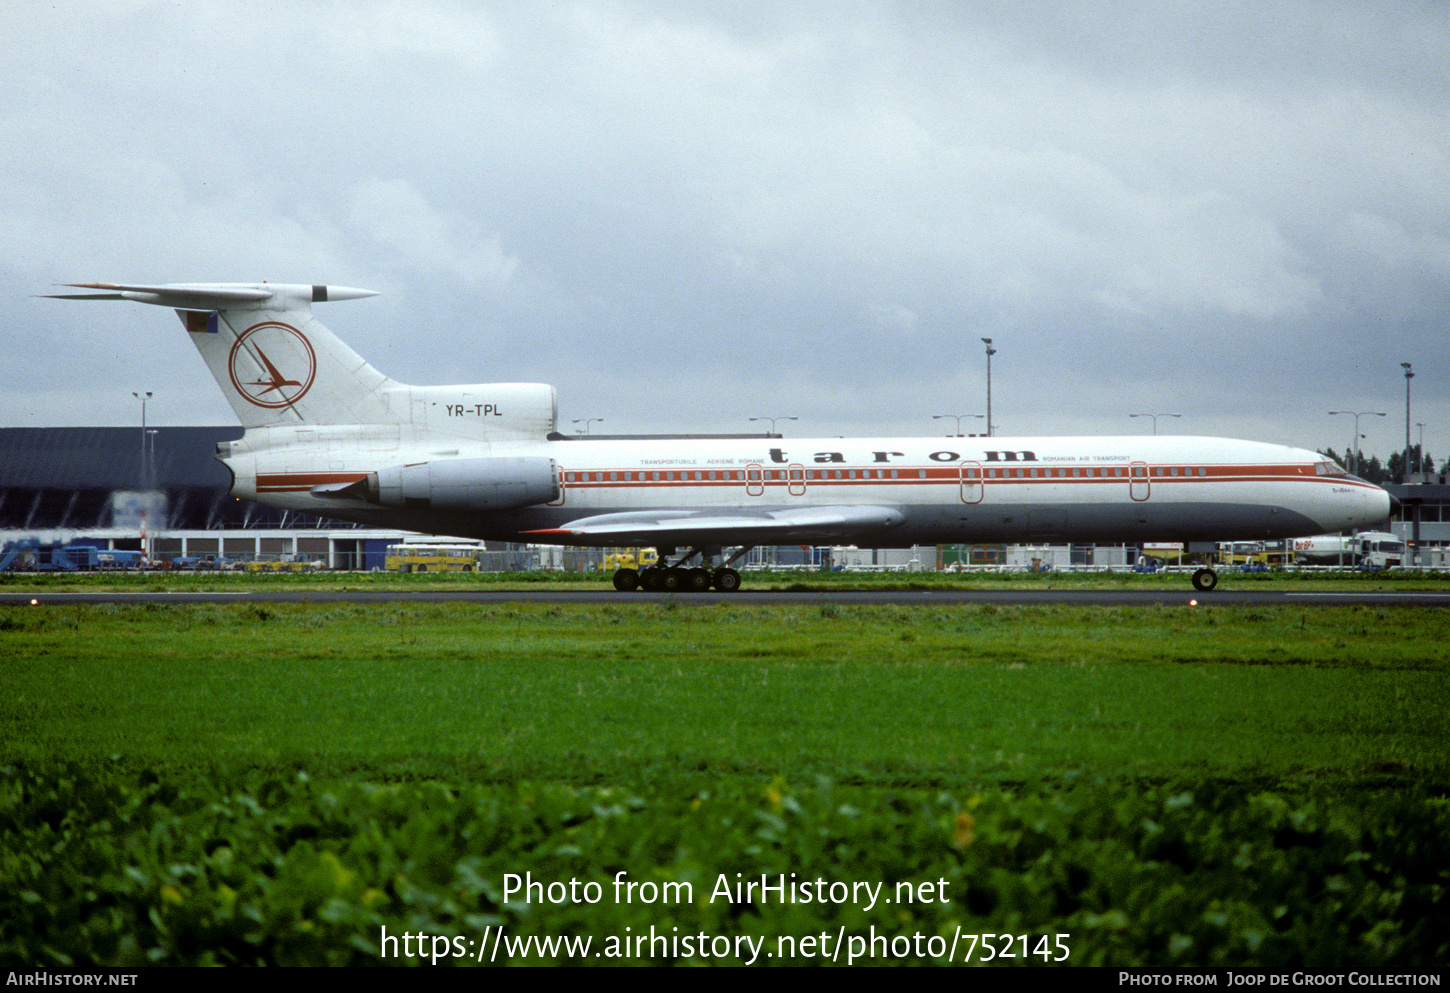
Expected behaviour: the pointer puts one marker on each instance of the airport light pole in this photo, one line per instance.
(772, 420)
(1354, 443)
(958, 418)
(1412, 508)
(1155, 418)
(1409, 375)
(586, 421)
(990, 352)
(151, 458)
(143, 397)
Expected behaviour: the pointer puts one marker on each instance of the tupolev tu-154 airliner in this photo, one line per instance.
(327, 434)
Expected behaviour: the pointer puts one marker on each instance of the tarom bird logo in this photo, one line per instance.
(276, 382)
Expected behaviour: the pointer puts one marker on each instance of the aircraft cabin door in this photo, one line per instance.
(972, 491)
(1139, 484)
(796, 480)
(754, 480)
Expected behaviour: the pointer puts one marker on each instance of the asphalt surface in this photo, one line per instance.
(1385, 597)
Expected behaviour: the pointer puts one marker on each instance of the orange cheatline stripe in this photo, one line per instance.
(908, 475)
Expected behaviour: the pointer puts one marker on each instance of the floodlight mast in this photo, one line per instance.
(1409, 375)
(990, 352)
(1155, 418)
(143, 396)
(1354, 442)
(957, 418)
(772, 420)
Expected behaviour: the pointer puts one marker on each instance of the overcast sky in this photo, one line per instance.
(687, 214)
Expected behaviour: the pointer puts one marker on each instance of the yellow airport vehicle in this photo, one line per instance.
(432, 558)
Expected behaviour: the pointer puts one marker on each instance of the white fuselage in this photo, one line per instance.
(1086, 489)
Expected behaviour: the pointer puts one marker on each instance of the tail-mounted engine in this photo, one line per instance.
(465, 484)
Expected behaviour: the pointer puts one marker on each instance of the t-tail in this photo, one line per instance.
(278, 365)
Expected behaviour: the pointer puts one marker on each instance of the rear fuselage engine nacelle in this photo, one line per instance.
(465, 484)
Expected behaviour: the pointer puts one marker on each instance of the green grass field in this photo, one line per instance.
(593, 693)
(1166, 785)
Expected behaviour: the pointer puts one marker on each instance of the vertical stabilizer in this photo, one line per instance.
(275, 362)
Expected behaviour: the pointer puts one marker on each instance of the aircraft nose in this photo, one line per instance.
(1382, 505)
(1379, 500)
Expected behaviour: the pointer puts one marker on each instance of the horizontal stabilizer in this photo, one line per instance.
(684, 527)
(212, 296)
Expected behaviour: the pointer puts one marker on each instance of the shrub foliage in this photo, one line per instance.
(103, 864)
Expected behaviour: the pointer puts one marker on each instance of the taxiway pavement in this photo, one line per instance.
(1384, 597)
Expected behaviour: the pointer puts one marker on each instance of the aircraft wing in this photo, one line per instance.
(812, 525)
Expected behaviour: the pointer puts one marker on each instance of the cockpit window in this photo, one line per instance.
(1329, 469)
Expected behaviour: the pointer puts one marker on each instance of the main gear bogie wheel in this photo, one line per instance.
(727, 580)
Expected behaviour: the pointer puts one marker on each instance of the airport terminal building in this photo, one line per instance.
(162, 491)
(101, 484)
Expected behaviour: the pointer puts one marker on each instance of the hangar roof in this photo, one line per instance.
(110, 458)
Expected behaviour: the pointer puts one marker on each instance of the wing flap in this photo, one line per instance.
(713, 527)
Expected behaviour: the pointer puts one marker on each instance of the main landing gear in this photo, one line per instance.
(677, 578)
